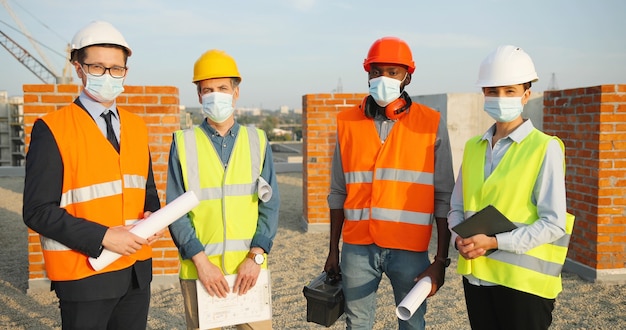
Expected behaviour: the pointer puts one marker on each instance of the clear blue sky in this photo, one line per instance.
(288, 48)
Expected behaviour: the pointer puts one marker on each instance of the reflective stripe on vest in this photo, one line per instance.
(105, 189)
(228, 196)
(98, 184)
(386, 214)
(86, 194)
(390, 192)
(230, 245)
(408, 217)
(538, 271)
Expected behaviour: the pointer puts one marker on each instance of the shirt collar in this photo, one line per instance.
(233, 130)
(518, 135)
(94, 108)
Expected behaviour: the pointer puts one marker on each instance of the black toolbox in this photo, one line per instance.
(325, 301)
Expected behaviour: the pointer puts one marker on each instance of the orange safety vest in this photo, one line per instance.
(390, 185)
(99, 184)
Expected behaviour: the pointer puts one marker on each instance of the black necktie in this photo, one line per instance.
(110, 133)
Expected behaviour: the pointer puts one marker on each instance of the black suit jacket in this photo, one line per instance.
(41, 212)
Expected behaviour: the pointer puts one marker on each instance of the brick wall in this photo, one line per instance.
(159, 108)
(319, 130)
(591, 122)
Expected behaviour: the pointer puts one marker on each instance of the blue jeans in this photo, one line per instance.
(362, 267)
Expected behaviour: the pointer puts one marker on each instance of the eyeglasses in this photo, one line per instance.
(99, 70)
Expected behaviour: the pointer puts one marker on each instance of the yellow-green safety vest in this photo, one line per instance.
(226, 218)
(538, 271)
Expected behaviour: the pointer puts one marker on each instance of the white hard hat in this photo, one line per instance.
(99, 32)
(505, 66)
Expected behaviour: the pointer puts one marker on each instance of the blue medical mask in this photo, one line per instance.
(217, 106)
(103, 88)
(385, 90)
(503, 109)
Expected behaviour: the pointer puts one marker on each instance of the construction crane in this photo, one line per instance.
(41, 71)
(45, 72)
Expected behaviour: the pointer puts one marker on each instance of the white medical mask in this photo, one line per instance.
(385, 90)
(503, 109)
(217, 106)
(103, 88)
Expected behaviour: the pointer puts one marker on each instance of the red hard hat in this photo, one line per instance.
(390, 50)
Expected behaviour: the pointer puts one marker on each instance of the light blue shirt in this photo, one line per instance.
(95, 109)
(183, 233)
(548, 195)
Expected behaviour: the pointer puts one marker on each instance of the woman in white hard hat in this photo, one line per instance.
(511, 279)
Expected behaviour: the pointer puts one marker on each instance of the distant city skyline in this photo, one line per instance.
(288, 48)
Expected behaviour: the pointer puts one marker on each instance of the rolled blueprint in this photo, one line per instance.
(264, 190)
(414, 298)
(151, 225)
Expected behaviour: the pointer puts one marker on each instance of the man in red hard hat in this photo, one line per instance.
(391, 175)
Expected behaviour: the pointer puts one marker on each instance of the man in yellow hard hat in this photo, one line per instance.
(88, 178)
(521, 172)
(230, 168)
(391, 175)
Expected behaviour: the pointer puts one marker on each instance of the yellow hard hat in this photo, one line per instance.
(215, 64)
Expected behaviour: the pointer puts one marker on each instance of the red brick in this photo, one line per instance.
(589, 90)
(607, 108)
(57, 98)
(170, 119)
(142, 99)
(162, 90)
(71, 89)
(607, 88)
(134, 89)
(31, 98)
(166, 99)
(613, 98)
(163, 109)
(136, 109)
(38, 88)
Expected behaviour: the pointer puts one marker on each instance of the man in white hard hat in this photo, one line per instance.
(88, 179)
(230, 168)
(511, 279)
